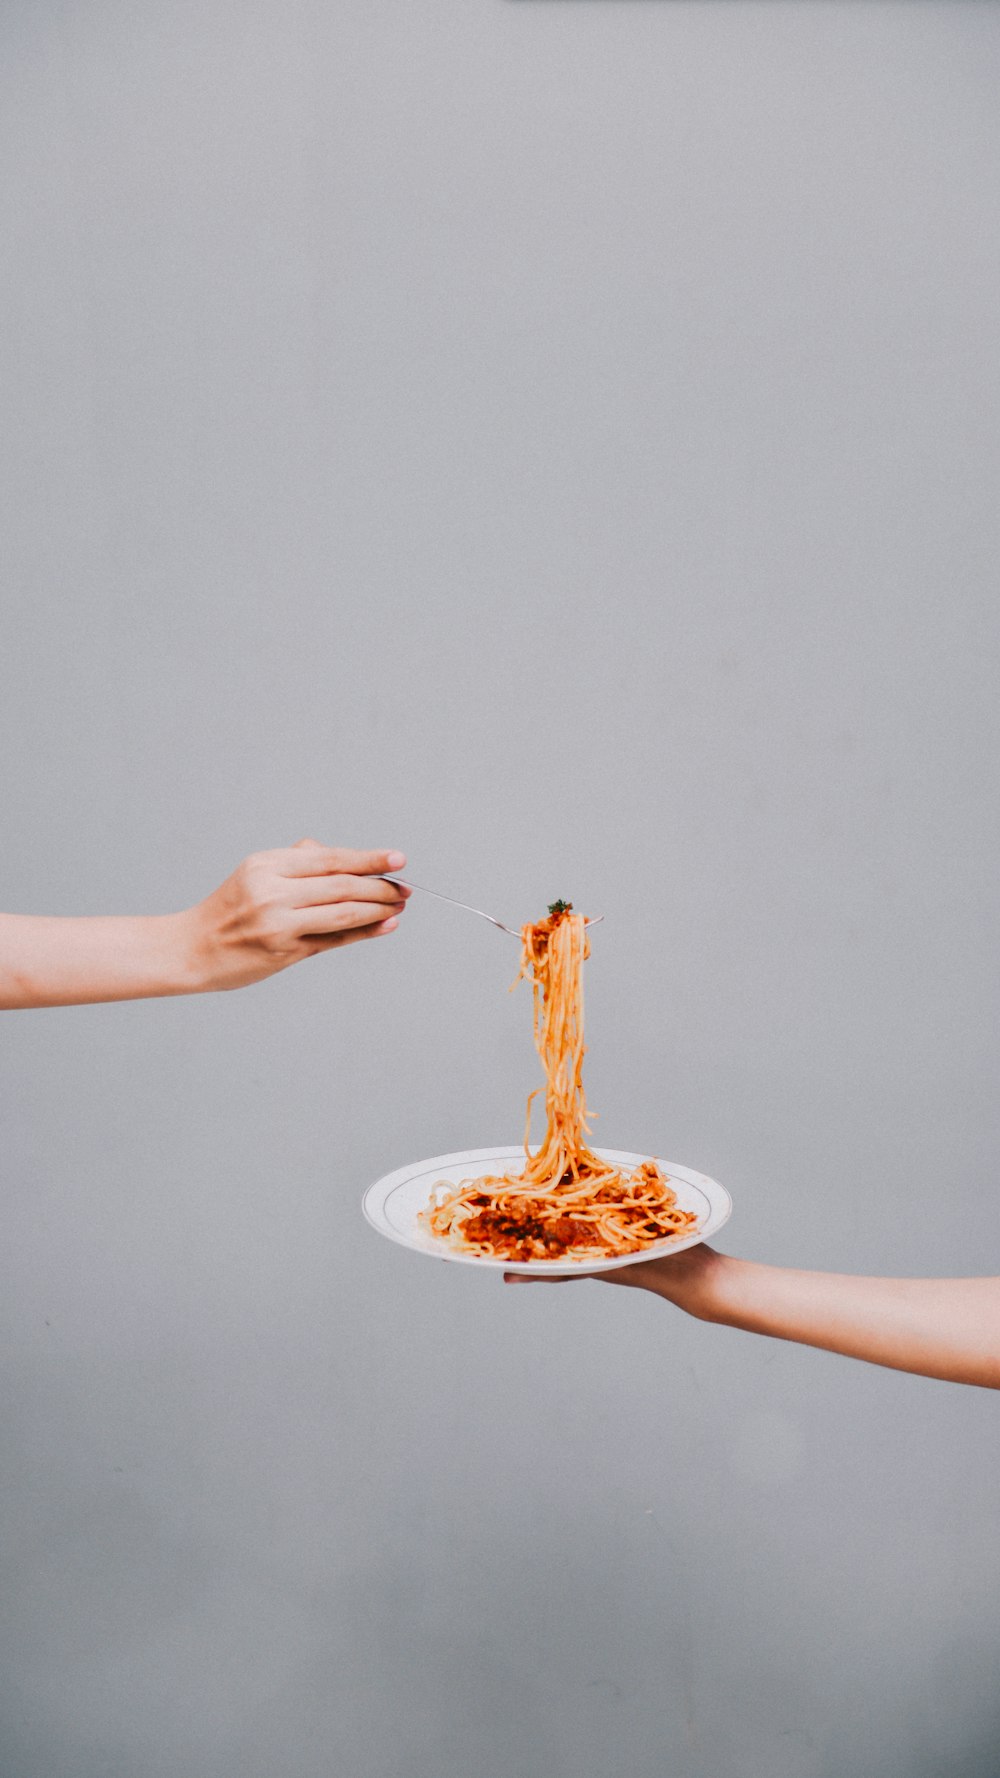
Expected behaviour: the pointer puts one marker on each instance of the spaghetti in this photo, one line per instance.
(568, 1203)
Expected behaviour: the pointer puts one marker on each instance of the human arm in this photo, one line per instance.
(276, 909)
(936, 1327)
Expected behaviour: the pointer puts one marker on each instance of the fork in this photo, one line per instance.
(406, 884)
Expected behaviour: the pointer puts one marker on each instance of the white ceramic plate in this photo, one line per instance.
(393, 1204)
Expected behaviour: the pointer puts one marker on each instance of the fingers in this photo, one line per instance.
(543, 1278)
(638, 1275)
(614, 1277)
(333, 941)
(309, 859)
(343, 916)
(313, 892)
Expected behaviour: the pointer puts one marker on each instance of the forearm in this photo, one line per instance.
(936, 1327)
(73, 962)
(276, 908)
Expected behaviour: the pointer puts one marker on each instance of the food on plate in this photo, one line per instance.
(568, 1203)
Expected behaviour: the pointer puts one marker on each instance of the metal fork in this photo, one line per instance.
(406, 884)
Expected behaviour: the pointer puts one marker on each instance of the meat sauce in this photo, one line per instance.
(527, 1236)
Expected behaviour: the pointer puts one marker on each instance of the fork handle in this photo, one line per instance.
(406, 884)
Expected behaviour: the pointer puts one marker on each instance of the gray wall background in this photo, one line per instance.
(560, 439)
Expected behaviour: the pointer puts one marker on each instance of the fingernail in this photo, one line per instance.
(388, 925)
(396, 860)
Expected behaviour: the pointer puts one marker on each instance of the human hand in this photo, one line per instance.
(692, 1279)
(282, 906)
(947, 1328)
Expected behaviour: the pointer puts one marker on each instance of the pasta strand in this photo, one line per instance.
(567, 1203)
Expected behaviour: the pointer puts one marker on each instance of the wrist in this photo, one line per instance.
(700, 1281)
(186, 951)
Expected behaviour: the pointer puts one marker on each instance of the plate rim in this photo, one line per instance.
(720, 1205)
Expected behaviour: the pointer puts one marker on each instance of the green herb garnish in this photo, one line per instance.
(560, 907)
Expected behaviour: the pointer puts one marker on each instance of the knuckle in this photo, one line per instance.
(274, 935)
(256, 868)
